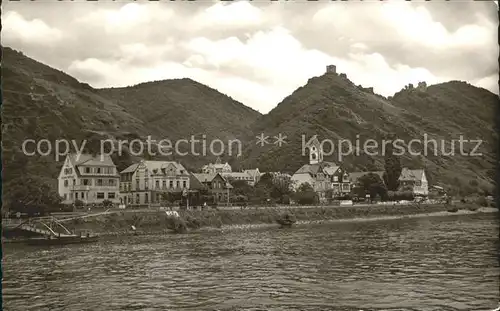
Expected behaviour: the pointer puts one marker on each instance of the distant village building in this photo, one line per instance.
(88, 178)
(416, 179)
(216, 185)
(217, 167)
(145, 182)
(321, 175)
(343, 75)
(250, 176)
(331, 69)
(255, 174)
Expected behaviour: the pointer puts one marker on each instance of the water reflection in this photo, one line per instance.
(416, 264)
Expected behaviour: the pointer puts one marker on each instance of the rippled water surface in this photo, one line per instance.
(445, 263)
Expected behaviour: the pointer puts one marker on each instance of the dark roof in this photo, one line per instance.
(315, 168)
(194, 183)
(411, 175)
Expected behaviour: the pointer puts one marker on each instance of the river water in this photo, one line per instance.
(440, 263)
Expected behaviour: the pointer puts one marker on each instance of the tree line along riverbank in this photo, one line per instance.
(121, 222)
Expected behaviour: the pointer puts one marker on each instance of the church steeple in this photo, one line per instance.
(315, 151)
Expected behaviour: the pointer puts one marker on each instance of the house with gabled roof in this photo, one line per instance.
(217, 167)
(415, 179)
(216, 184)
(146, 182)
(88, 178)
(321, 175)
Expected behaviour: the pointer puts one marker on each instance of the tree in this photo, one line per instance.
(31, 195)
(392, 169)
(276, 187)
(305, 194)
(373, 185)
(241, 187)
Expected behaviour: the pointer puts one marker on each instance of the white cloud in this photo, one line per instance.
(234, 14)
(36, 31)
(260, 55)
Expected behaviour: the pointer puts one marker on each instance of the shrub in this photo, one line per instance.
(285, 199)
(79, 203)
(482, 201)
(107, 203)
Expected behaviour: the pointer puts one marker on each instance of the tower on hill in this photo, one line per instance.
(331, 69)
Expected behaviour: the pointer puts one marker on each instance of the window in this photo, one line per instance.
(164, 184)
(98, 170)
(100, 195)
(65, 183)
(137, 199)
(145, 198)
(184, 184)
(171, 184)
(111, 195)
(74, 182)
(87, 170)
(177, 184)
(99, 182)
(418, 183)
(137, 184)
(65, 196)
(146, 185)
(85, 182)
(82, 195)
(76, 195)
(157, 184)
(112, 182)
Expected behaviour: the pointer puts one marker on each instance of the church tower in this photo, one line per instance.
(315, 151)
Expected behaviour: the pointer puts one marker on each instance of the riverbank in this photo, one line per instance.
(148, 222)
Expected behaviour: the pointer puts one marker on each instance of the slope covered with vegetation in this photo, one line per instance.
(333, 107)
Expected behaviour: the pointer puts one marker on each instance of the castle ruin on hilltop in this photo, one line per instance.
(422, 86)
(332, 69)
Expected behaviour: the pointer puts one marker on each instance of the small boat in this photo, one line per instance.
(64, 240)
(286, 222)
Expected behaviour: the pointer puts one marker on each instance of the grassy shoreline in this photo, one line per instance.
(148, 222)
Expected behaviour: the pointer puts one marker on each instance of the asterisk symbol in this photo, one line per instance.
(262, 139)
(280, 139)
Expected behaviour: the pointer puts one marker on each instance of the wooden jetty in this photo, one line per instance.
(46, 231)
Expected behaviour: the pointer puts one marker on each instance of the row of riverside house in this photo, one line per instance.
(94, 179)
(324, 176)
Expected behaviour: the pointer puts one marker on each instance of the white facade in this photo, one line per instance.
(417, 179)
(90, 179)
(146, 182)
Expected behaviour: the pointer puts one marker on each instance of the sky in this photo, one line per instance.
(259, 52)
